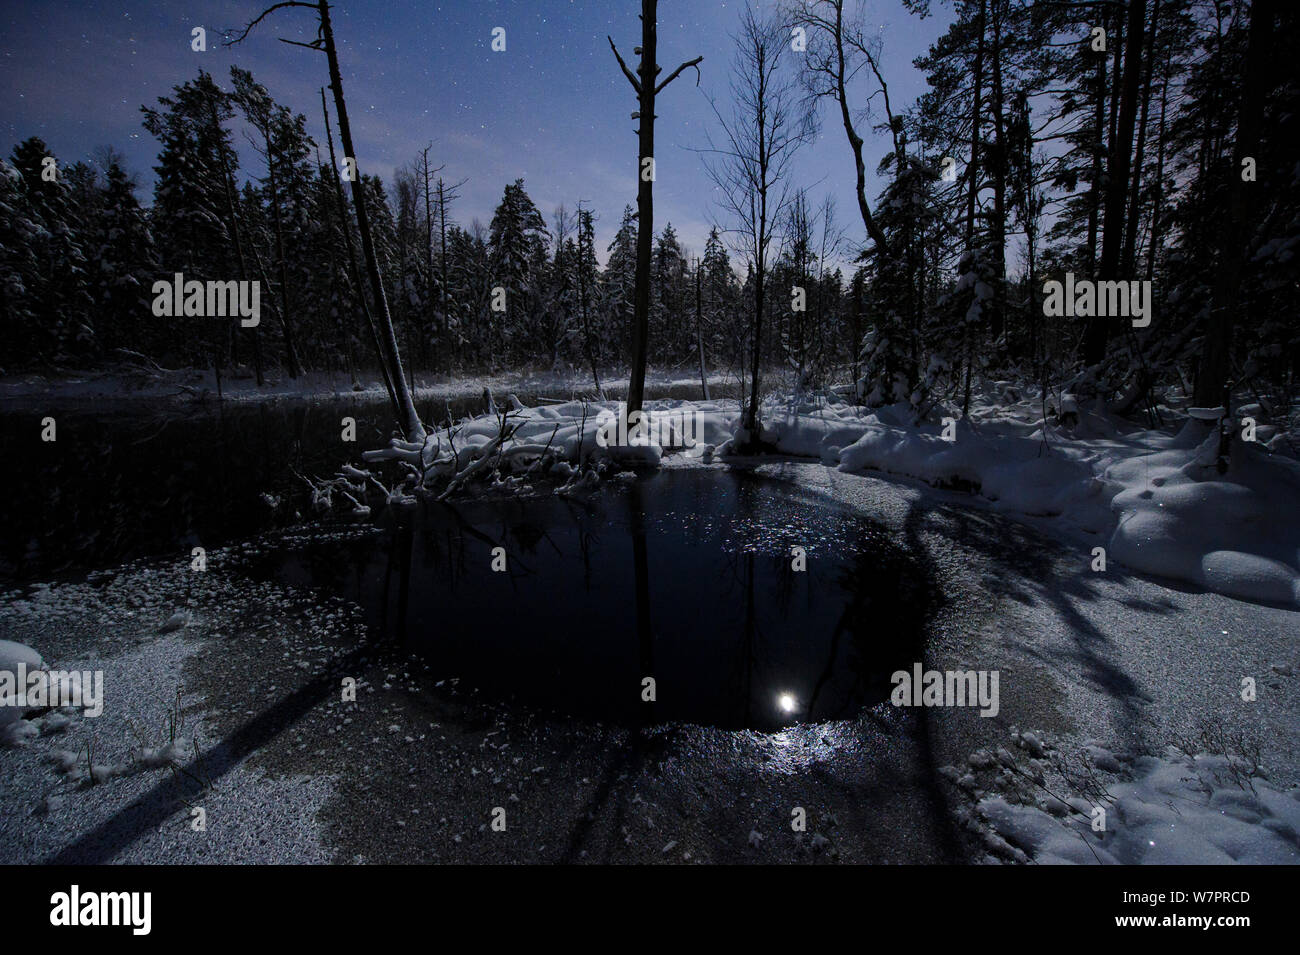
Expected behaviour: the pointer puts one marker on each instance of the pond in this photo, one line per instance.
(685, 577)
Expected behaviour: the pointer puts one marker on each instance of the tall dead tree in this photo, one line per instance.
(750, 164)
(408, 419)
(699, 329)
(354, 271)
(427, 175)
(646, 87)
(447, 194)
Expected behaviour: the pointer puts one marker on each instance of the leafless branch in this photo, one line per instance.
(636, 85)
(263, 15)
(673, 75)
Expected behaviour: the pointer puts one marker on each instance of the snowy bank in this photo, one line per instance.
(1175, 809)
(1155, 500)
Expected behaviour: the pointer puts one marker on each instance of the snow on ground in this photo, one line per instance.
(1153, 498)
(13, 728)
(410, 770)
(191, 384)
(74, 778)
(1175, 809)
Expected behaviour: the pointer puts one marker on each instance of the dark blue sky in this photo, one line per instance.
(553, 108)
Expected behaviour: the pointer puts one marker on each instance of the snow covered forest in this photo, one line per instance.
(1150, 141)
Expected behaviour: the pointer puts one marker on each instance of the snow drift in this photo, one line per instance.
(1155, 500)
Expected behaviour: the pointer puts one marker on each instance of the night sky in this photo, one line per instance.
(553, 108)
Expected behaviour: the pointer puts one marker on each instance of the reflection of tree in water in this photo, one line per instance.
(891, 599)
(115, 487)
(641, 586)
(828, 635)
(888, 597)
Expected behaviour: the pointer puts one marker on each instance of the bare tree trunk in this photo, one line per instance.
(644, 207)
(999, 170)
(646, 87)
(428, 223)
(1157, 205)
(444, 278)
(408, 418)
(760, 274)
(1098, 149)
(290, 352)
(355, 270)
(972, 205)
(233, 211)
(446, 196)
(699, 331)
(1128, 258)
(855, 141)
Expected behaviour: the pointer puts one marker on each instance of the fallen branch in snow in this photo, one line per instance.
(322, 492)
(481, 462)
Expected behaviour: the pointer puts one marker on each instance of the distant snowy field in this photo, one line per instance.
(194, 385)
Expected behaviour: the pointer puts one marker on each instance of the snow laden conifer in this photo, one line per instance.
(124, 262)
(668, 297)
(55, 296)
(618, 283)
(517, 251)
(719, 293)
(910, 340)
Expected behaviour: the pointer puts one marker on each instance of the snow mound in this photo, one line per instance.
(1236, 533)
(1175, 810)
(567, 431)
(12, 654)
(14, 730)
(1158, 500)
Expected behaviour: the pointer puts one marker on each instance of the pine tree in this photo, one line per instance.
(618, 283)
(58, 301)
(588, 274)
(124, 264)
(668, 294)
(517, 247)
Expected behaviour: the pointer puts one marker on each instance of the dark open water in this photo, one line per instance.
(683, 576)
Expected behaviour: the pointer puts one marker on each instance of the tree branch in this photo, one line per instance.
(673, 75)
(626, 72)
(311, 46)
(264, 14)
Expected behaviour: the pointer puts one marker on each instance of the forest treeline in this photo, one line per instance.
(1153, 140)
